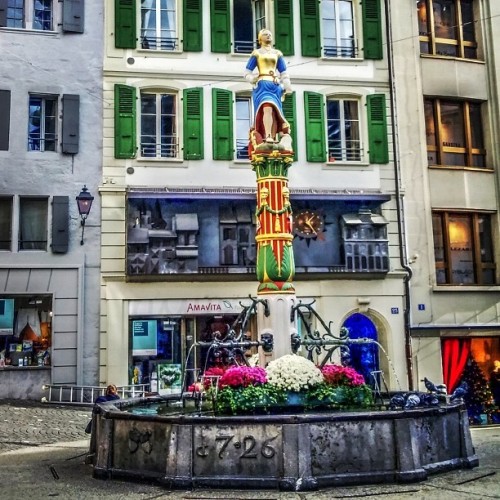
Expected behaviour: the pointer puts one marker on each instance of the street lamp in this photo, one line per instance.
(84, 201)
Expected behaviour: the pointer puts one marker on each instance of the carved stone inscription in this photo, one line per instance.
(249, 451)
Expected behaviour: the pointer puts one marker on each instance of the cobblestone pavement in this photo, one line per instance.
(43, 449)
(29, 424)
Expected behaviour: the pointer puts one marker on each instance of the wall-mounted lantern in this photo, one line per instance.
(84, 201)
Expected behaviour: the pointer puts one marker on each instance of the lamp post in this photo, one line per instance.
(84, 201)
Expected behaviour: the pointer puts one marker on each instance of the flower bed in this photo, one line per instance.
(289, 382)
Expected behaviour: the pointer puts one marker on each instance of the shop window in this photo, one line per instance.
(463, 249)
(474, 363)
(33, 213)
(26, 330)
(5, 223)
(447, 28)
(454, 133)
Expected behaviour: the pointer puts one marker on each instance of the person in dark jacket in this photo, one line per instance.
(110, 395)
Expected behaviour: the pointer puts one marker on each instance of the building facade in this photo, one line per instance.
(179, 194)
(50, 147)
(445, 63)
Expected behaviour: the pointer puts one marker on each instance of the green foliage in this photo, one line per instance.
(326, 395)
(251, 399)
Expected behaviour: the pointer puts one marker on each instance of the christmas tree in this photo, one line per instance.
(479, 398)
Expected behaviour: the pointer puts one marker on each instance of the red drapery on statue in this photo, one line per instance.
(455, 355)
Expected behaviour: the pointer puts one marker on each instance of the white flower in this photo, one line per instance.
(293, 373)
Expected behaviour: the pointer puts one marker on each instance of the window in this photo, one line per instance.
(159, 125)
(5, 223)
(337, 28)
(235, 24)
(446, 28)
(169, 25)
(344, 142)
(33, 223)
(29, 14)
(42, 123)
(159, 25)
(243, 123)
(454, 133)
(343, 139)
(463, 249)
(335, 21)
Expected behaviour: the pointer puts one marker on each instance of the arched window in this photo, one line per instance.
(363, 357)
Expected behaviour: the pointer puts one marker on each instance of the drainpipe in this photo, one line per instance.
(399, 201)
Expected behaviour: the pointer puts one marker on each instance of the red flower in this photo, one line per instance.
(243, 376)
(342, 375)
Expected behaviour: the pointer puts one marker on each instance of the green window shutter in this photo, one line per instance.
(283, 13)
(377, 129)
(372, 29)
(192, 26)
(222, 124)
(221, 30)
(315, 127)
(309, 28)
(193, 123)
(289, 108)
(125, 136)
(125, 35)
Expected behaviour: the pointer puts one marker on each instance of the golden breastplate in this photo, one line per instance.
(267, 63)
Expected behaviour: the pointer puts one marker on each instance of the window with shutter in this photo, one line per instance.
(315, 127)
(125, 128)
(337, 29)
(219, 20)
(222, 124)
(192, 26)
(244, 115)
(4, 119)
(284, 29)
(377, 129)
(27, 14)
(73, 16)
(372, 29)
(310, 28)
(193, 124)
(289, 109)
(60, 224)
(70, 123)
(125, 24)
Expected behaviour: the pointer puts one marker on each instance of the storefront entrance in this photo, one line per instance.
(164, 350)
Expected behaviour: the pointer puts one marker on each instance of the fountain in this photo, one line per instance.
(181, 445)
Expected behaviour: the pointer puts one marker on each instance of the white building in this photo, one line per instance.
(178, 191)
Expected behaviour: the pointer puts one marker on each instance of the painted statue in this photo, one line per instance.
(266, 71)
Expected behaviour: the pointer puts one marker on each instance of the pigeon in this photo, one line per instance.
(429, 385)
(412, 400)
(460, 391)
(397, 401)
(428, 399)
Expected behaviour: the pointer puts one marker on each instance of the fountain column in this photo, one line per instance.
(275, 262)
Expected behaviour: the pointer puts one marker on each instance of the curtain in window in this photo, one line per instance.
(33, 225)
(455, 353)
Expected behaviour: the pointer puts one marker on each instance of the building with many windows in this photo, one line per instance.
(445, 73)
(50, 147)
(179, 194)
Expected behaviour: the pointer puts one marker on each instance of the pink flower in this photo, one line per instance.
(342, 375)
(243, 376)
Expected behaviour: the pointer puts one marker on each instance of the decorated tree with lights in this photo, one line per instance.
(479, 398)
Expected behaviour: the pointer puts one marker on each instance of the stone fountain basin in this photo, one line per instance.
(289, 452)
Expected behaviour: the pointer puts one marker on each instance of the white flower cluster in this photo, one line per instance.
(293, 373)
